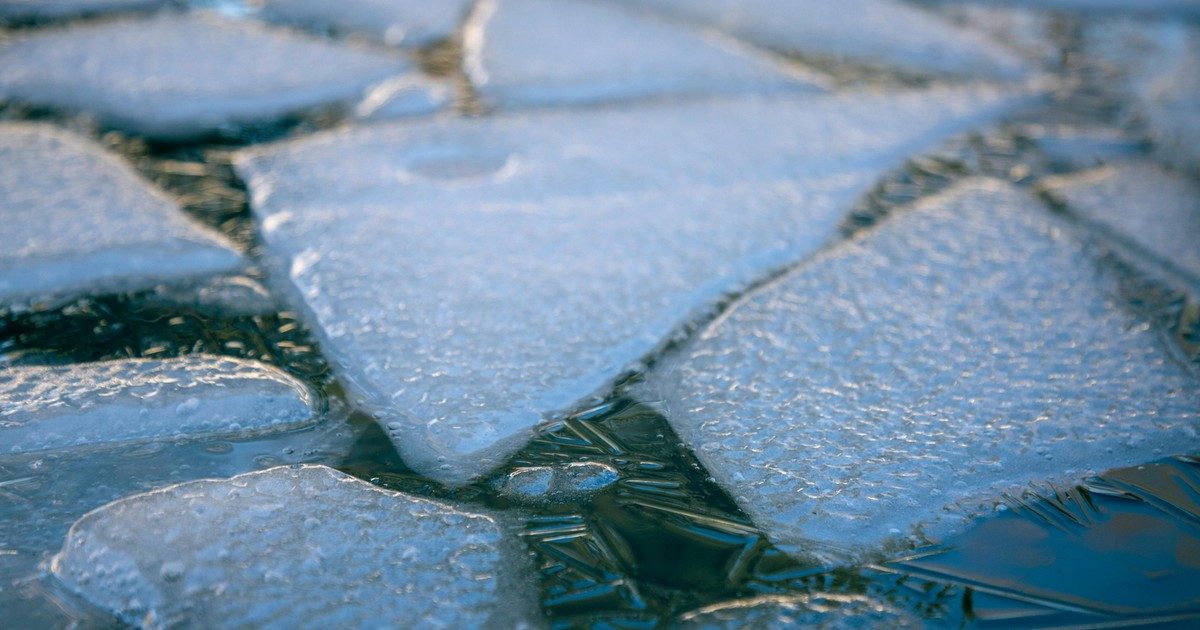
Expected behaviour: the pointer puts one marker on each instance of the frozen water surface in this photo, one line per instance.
(826, 611)
(537, 52)
(1157, 209)
(1149, 7)
(295, 546)
(93, 404)
(77, 219)
(22, 10)
(902, 381)
(178, 76)
(874, 32)
(470, 277)
(404, 23)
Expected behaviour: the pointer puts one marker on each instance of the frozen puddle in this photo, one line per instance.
(864, 31)
(1157, 209)
(904, 380)
(811, 610)
(178, 77)
(470, 277)
(79, 220)
(295, 546)
(410, 23)
(93, 404)
(22, 10)
(538, 52)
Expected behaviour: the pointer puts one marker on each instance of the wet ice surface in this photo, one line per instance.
(561, 247)
(826, 611)
(77, 219)
(93, 404)
(563, 483)
(294, 545)
(902, 381)
(540, 52)
(1159, 210)
(22, 10)
(181, 77)
(407, 23)
(863, 31)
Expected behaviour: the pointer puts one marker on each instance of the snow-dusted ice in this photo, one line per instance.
(469, 277)
(902, 381)
(23, 10)
(886, 33)
(1157, 209)
(409, 23)
(77, 219)
(182, 76)
(825, 611)
(296, 546)
(94, 404)
(549, 52)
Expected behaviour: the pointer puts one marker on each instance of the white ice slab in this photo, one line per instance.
(399, 23)
(296, 546)
(1148, 7)
(77, 219)
(902, 381)
(826, 611)
(1157, 209)
(550, 52)
(180, 76)
(884, 33)
(470, 276)
(93, 404)
(54, 9)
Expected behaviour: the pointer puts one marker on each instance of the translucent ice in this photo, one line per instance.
(470, 276)
(1157, 209)
(21, 10)
(522, 52)
(295, 546)
(92, 404)
(874, 32)
(405, 23)
(903, 380)
(568, 482)
(178, 76)
(825, 611)
(77, 219)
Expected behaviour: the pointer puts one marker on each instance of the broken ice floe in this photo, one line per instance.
(810, 610)
(34, 10)
(539, 52)
(294, 546)
(1158, 210)
(78, 220)
(179, 76)
(873, 32)
(409, 23)
(470, 277)
(902, 381)
(95, 404)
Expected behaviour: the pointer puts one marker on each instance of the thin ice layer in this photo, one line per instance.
(21, 10)
(1147, 7)
(294, 546)
(77, 219)
(967, 346)
(823, 611)
(46, 408)
(470, 276)
(539, 52)
(1157, 209)
(410, 23)
(873, 32)
(181, 76)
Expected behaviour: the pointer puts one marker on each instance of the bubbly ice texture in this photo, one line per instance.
(1156, 209)
(825, 611)
(79, 220)
(295, 546)
(549, 52)
(900, 382)
(409, 23)
(94, 404)
(469, 277)
(874, 32)
(178, 77)
(54, 9)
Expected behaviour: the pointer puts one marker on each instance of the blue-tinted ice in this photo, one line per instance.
(408, 23)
